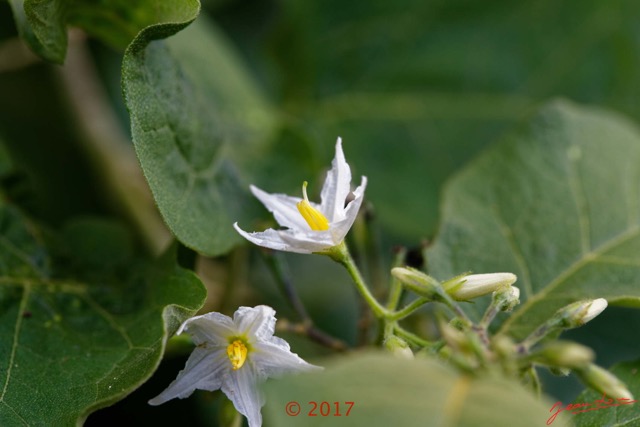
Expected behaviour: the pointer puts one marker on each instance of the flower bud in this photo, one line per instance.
(398, 347)
(604, 382)
(559, 372)
(506, 298)
(464, 288)
(580, 312)
(564, 354)
(595, 308)
(418, 282)
(454, 337)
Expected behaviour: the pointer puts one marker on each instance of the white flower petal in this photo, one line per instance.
(212, 328)
(475, 285)
(272, 239)
(340, 229)
(596, 307)
(202, 371)
(258, 323)
(336, 186)
(241, 387)
(274, 359)
(284, 208)
(310, 241)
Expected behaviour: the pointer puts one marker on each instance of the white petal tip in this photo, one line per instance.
(597, 306)
(155, 401)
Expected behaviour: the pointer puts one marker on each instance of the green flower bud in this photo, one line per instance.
(559, 372)
(398, 347)
(454, 337)
(604, 381)
(507, 298)
(564, 354)
(418, 282)
(580, 312)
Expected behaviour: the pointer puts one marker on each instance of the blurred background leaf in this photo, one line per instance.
(416, 88)
(402, 392)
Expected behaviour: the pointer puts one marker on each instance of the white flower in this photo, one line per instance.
(310, 227)
(234, 355)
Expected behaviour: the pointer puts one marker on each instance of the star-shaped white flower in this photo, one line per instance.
(311, 227)
(234, 355)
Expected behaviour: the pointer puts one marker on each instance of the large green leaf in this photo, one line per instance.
(83, 325)
(197, 122)
(557, 203)
(615, 416)
(43, 23)
(388, 391)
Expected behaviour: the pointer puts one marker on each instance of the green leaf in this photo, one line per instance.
(50, 53)
(556, 203)
(43, 23)
(197, 122)
(617, 416)
(78, 336)
(402, 392)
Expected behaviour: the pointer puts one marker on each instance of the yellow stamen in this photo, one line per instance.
(314, 217)
(237, 353)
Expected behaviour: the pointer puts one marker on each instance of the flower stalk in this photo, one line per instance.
(340, 254)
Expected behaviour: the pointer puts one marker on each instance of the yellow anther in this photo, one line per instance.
(237, 353)
(314, 217)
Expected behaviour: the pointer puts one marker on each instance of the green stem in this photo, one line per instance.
(395, 288)
(414, 339)
(453, 305)
(534, 381)
(542, 331)
(408, 309)
(488, 317)
(341, 254)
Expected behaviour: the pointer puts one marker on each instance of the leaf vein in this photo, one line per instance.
(508, 235)
(24, 257)
(16, 334)
(16, 413)
(577, 191)
(577, 265)
(109, 318)
(62, 286)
